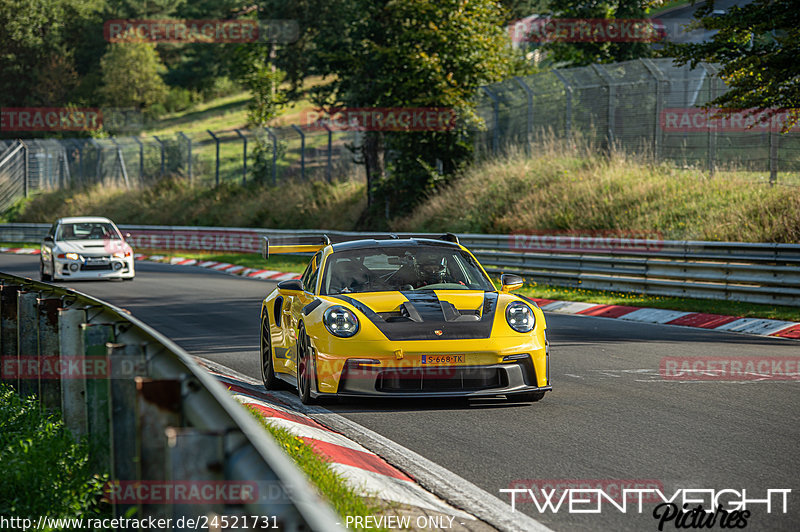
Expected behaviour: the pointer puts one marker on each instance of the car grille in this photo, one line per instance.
(95, 267)
(440, 379)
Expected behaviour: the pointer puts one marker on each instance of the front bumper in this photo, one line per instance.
(115, 268)
(518, 376)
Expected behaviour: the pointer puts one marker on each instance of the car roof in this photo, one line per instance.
(393, 243)
(83, 219)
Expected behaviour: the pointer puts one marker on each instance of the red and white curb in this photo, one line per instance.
(719, 322)
(232, 269)
(365, 471)
(21, 251)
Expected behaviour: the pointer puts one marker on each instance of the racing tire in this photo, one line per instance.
(267, 368)
(44, 276)
(528, 397)
(304, 368)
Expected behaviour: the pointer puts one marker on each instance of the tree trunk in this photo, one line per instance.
(373, 161)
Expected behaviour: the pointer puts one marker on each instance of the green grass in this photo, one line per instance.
(45, 471)
(711, 306)
(330, 484)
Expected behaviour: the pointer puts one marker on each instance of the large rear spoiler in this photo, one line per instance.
(301, 244)
(312, 244)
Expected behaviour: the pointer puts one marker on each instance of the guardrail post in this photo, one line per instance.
(73, 391)
(48, 349)
(194, 455)
(8, 332)
(158, 406)
(27, 344)
(96, 372)
(127, 361)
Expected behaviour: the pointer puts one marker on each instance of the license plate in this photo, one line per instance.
(442, 360)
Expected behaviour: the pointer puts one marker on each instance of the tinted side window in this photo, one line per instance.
(309, 277)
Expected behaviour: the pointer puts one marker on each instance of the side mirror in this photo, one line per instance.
(291, 285)
(510, 282)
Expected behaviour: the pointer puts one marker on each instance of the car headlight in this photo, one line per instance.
(122, 254)
(520, 317)
(70, 256)
(340, 321)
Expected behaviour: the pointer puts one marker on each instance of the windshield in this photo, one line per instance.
(88, 231)
(411, 268)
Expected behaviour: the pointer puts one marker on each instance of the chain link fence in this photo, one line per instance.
(645, 106)
(207, 159)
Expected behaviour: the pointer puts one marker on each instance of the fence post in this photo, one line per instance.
(529, 93)
(99, 164)
(611, 108)
(274, 155)
(216, 170)
(496, 120)
(302, 150)
(568, 97)
(189, 150)
(121, 161)
(773, 157)
(712, 135)
(329, 170)
(661, 81)
(141, 159)
(160, 143)
(244, 156)
(25, 168)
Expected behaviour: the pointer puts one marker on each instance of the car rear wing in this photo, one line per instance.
(300, 244)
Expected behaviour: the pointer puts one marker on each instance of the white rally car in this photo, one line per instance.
(88, 247)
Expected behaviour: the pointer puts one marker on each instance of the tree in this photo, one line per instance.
(132, 75)
(398, 53)
(586, 53)
(757, 46)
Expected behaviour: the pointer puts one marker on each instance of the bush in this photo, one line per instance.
(180, 99)
(45, 470)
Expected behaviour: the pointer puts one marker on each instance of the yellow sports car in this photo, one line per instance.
(394, 317)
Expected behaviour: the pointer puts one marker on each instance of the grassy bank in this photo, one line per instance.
(573, 188)
(559, 188)
(45, 470)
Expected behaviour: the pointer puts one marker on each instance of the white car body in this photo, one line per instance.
(85, 248)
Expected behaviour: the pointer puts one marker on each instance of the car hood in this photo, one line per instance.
(92, 248)
(427, 314)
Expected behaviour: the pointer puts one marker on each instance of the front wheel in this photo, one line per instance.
(44, 276)
(304, 367)
(267, 369)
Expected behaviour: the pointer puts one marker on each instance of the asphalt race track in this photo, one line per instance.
(610, 417)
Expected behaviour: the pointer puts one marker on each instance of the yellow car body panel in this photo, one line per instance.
(385, 358)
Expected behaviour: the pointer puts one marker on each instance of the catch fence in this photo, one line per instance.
(644, 106)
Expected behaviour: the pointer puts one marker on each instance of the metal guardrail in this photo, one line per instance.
(750, 272)
(156, 416)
